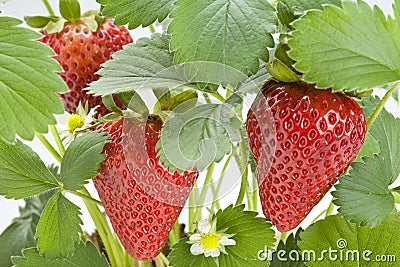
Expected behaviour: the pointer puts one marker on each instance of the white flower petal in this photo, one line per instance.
(204, 226)
(226, 241)
(196, 249)
(195, 237)
(215, 253)
(207, 253)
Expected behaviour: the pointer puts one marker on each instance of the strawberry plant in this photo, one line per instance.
(239, 133)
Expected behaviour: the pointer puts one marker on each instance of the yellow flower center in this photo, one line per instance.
(210, 241)
(74, 121)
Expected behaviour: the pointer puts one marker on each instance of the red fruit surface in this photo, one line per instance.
(142, 199)
(81, 52)
(302, 140)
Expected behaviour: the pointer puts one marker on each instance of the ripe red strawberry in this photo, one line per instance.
(142, 198)
(302, 140)
(81, 52)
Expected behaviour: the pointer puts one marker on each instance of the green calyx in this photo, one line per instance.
(281, 71)
(360, 95)
(176, 102)
(70, 11)
(281, 68)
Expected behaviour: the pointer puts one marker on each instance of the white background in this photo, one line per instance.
(20, 8)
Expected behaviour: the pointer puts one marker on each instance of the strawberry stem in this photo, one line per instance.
(218, 96)
(192, 201)
(159, 262)
(86, 197)
(163, 258)
(381, 105)
(284, 236)
(112, 246)
(255, 192)
(49, 147)
(174, 235)
(145, 264)
(244, 167)
(319, 216)
(215, 203)
(152, 29)
(330, 209)
(203, 194)
(48, 7)
(57, 139)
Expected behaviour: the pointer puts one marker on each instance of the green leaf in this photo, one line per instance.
(85, 255)
(348, 239)
(251, 234)
(21, 233)
(288, 246)
(58, 228)
(82, 160)
(184, 101)
(232, 32)
(27, 75)
(181, 256)
(39, 21)
(339, 47)
(134, 102)
(369, 104)
(206, 133)
(255, 82)
(138, 65)
(149, 64)
(137, 12)
(290, 10)
(70, 10)
(364, 196)
(386, 130)
(22, 172)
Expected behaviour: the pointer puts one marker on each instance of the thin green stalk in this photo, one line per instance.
(255, 192)
(229, 91)
(163, 258)
(284, 236)
(129, 261)
(381, 105)
(112, 246)
(86, 197)
(319, 215)
(330, 209)
(204, 190)
(215, 203)
(49, 147)
(174, 235)
(218, 96)
(243, 187)
(396, 196)
(152, 29)
(192, 201)
(57, 139)
(159, 262)
(48, 7)
(207, 98)
(145, 264)
(194, 195)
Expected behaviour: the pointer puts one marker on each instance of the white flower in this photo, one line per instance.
(73, 124)
(208, 241)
